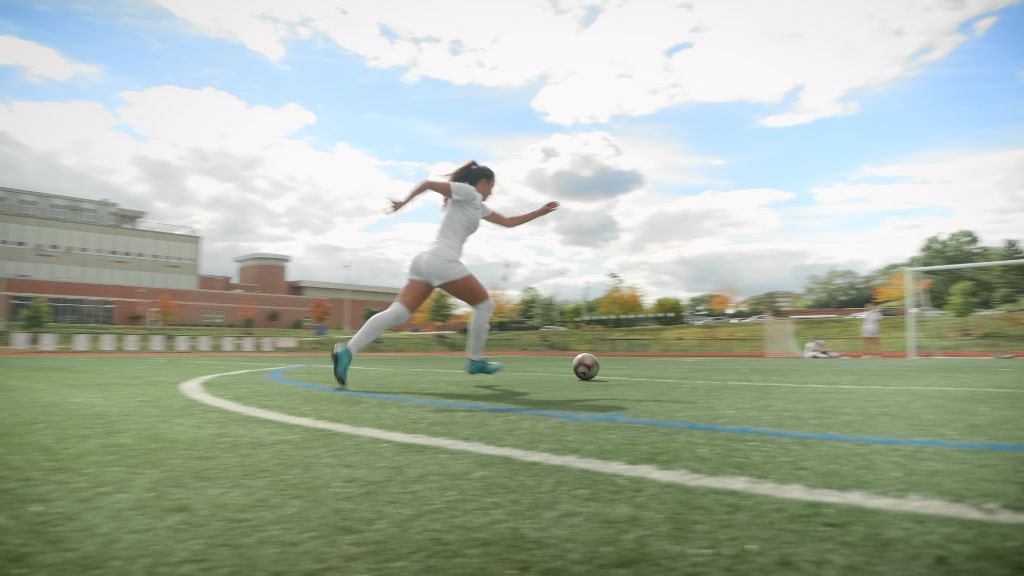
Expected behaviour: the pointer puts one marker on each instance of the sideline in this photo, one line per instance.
(194, 389)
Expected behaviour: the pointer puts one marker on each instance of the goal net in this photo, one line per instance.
(974, 309)
(778, 338)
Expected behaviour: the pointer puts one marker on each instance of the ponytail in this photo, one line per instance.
(469, 173)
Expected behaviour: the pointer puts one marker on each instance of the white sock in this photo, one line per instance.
(478, 327)
(396, 315)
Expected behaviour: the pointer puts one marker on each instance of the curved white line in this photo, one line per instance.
(194, 389)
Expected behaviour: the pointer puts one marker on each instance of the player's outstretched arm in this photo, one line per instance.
(512, 222)
(442, 188)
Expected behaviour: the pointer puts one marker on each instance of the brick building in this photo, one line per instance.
(97, 263)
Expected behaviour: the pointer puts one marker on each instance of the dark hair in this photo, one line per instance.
(471, 173)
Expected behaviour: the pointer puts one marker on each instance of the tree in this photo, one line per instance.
(718, 303)
(36, 315)
(441, 307)
(167, 308)
(891, 290)
(320, 311)
(963, 298)
(961, 247)
(1007, 281)
(699, 304)
(529, 305)
(369, 313)
(838, 289)
(668, 306)
(505, 309)
(620, 299)
(763, 304)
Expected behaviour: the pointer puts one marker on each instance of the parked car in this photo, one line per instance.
(553, 328)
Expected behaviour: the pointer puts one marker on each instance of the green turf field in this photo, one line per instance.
(107, 467)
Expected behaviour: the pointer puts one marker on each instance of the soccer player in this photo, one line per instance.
(439, 267)
(869, 331)
(818, 348)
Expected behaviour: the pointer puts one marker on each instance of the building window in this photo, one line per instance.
(70, 310)
(26, 207)
(213, 317)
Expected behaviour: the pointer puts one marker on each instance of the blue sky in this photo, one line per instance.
(770, 146)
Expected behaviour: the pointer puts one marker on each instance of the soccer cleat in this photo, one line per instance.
(482, 367)
(341, 357)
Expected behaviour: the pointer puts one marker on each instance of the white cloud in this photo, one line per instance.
(635, 57)
(240, 174)
(975, 190)
(38, 62)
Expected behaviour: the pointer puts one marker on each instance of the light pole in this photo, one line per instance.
(348, 299)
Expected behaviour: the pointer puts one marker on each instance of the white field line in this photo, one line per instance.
(916, 505)
(726, 382)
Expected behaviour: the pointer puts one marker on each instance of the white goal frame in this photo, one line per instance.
(910, 306)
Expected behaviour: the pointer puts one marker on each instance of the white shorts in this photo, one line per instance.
(436, 270)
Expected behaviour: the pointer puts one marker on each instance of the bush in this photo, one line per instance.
(297, 323)
(36, 315)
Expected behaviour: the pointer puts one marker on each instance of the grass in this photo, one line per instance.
(106, 468)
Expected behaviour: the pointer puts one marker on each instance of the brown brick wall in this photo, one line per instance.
(190, 305)
(268, 278)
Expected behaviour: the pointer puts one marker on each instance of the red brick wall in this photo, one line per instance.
(190, 305)
(267, 278)
(214, 283)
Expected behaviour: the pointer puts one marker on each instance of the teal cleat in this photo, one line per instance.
(482, 367)
(341, 357)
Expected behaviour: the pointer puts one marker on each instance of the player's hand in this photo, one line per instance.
(549, 207)
(396, 205)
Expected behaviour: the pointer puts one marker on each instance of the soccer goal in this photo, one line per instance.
(937, 300)
(778, 337)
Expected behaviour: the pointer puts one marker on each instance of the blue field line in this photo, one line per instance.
(615, 418)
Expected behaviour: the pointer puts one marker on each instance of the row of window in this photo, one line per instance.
(29, 207)
(70, 310)
(58, 248)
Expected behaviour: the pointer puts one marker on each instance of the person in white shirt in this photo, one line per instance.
(869, 329)
(439, 267)
(818, 348)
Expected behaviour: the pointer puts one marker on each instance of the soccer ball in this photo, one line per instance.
(585, 366)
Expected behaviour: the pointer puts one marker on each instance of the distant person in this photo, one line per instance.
(818, 348)
(439, 267)
(869, 331)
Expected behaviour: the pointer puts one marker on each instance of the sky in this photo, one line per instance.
(695, 146)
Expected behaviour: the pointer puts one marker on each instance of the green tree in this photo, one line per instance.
(963, 298)
(36, 315)
(369, 313)
(699, 305)
(1007, 281)
(441, 308)
(962, 247)
(668, 306)
(529, 305)
(838, 289)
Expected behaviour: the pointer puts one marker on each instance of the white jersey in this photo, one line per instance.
(869, 328)
(461, 219)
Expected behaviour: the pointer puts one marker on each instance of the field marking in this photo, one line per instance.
(728, 382)
(194, 389)
(619, 418)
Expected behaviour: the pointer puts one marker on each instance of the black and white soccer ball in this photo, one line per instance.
(585, 366)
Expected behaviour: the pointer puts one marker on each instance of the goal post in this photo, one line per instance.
(912, 304)
(778, 337)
